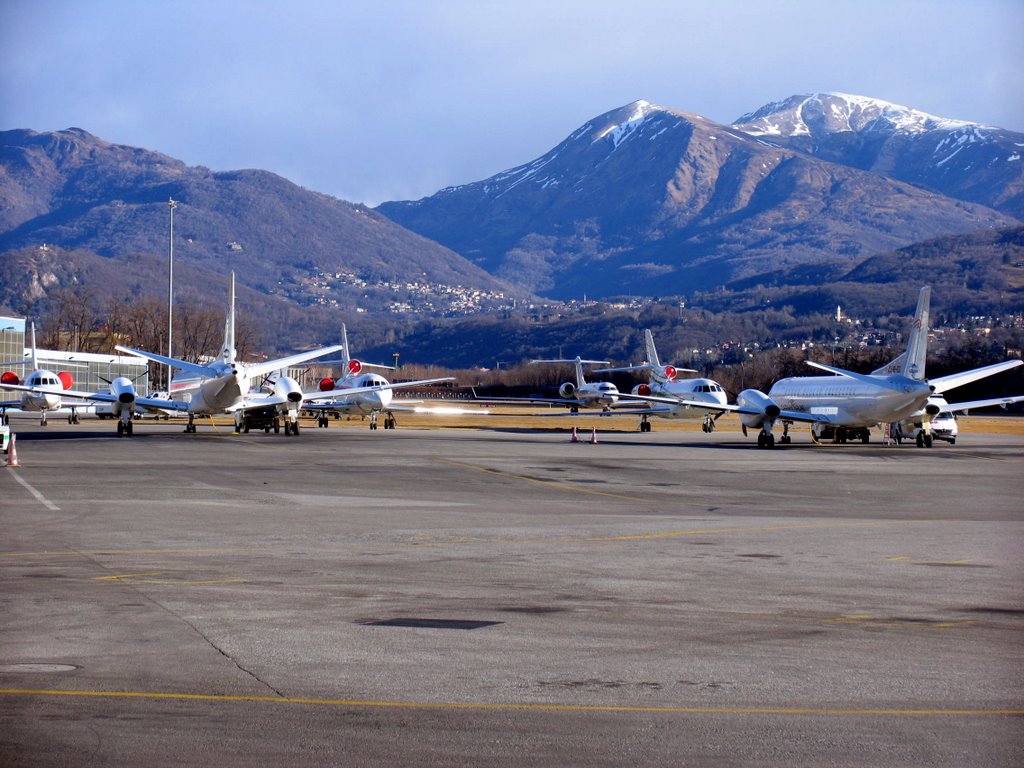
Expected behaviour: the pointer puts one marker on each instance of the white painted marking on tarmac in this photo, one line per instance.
(38, 496)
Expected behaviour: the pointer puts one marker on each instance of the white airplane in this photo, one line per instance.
(223, 386)
(43, 390)
(359, 393)
(663, 383)
(847, 405)
(584, 394)
(919, 425)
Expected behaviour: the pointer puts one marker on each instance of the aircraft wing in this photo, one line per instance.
(945, 383)
(340, 394)
(102, 397)
(262, 369)
(809, 418)
(1003, 401)
(193, 368)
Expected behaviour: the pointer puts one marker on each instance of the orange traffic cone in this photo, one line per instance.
(593, 436)
(575, 438)
(12, 454)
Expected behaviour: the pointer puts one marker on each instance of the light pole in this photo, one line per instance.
(171, 205)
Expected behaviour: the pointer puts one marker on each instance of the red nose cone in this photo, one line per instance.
(66, 380)
(326, 385)
(354, 367)
(10, 377)
(643, 389)
(670, 372)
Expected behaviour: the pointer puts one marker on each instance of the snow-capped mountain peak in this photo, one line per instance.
(634, 116)
(820, 114)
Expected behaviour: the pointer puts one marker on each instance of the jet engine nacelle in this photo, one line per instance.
(670, 372)
(642, 389)
(759, 401)
(354, 367)
(10, 377)
(326, 385)
(567, 390)
(123, 389)
(932, 409)
(289, 389)
(66, 379)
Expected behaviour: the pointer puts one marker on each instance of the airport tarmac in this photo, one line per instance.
(504, 597)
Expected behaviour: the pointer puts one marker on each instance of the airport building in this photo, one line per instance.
(91, 372)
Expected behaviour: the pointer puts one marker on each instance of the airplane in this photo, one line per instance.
(663, 382)
(584, 394)
(33, 398)
(364, 394)
(847, 405)
(920, 425)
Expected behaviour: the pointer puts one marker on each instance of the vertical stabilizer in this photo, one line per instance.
(345, 356)
(580, 381)
(917, 343)
(35, 362)
(229, 352)
(657, 371)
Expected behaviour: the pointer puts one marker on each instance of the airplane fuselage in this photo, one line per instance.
(363, 403)
(225, 388)
(701, 390)
(598, 394)
(847, 402)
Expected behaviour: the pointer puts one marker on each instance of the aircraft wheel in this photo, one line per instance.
(129, 429)
(927, 441)
(120, 428)
(952, 441)
(920, 439)
(295, 428)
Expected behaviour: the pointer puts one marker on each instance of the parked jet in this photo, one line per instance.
(578, 394)
(359, 393)
(33, 398)
(846, 405)
(663, 383)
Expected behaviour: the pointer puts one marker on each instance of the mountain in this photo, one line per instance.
(75, 191)
(654, 201)
(967, 161)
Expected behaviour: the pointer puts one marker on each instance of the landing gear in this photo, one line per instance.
(786, 438)
(191, 426)
(373, 420)
(709, 424)
(42, 419)
(73, 418)
(124, 427)
(322, 421)
(765, 439)
(645, 425)
(389, 421)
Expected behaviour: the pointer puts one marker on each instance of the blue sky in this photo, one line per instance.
(394, 99)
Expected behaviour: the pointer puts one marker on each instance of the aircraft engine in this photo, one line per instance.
(354, 367)
(642, 389)
(10, 377)
(670, 372)
(932, 409)
(66, 379)
(753, 398)
(326, 385)
(567, 390)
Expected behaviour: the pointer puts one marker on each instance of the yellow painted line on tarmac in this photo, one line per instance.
(787, 527)
(510, 707)
(542, 481)
(142, 578)
(96, 552)
(122, 576)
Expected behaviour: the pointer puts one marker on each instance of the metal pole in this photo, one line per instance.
(171, 204)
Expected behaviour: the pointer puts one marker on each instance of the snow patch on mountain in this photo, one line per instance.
(619, 132)
(826, 113)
